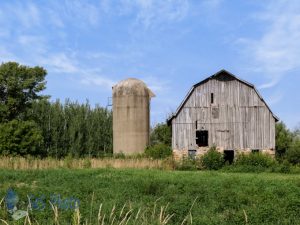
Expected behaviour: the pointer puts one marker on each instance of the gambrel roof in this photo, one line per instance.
(211, 77)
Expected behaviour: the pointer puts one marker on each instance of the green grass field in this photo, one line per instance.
(156, 196)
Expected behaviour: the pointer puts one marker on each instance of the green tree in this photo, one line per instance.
(19, 87)
(293, 152)
(20, 138)
(284, 139)
(161, 134)
(72, 128)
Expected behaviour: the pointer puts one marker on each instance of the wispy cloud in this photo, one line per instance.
(275, 98)
(157, 85)
(97, 80)
(150, 13)
(26, 14)
(277, 51)
(81, 11)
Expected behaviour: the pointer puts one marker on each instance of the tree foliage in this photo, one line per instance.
(284, 139)
(20, 138)
(73, 128)
(158, 151)
(293, 153)
(161, 134)
(19, 87)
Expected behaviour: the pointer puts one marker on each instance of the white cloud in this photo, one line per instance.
(273, 82)
(277, 51)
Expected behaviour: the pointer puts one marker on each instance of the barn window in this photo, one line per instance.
(202, 138)
(196, 124)
(212, 98)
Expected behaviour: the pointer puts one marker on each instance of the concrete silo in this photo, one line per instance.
(131, 116)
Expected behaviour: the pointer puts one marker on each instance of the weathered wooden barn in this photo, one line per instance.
(223, 111)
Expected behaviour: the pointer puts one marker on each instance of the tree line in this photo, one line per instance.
(32, 125)
(287, 144)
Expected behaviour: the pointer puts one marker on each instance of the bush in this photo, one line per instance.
(187, 163)
(285, 167)
(293, 153)
(212, 160)
(158, 151)
(20, 138)
(87, 163)
(256, 160)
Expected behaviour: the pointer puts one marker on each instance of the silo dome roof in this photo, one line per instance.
(132, 86)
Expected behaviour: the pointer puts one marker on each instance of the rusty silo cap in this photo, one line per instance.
(132, 86)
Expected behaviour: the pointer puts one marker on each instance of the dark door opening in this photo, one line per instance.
(229, 156)
(202, 138)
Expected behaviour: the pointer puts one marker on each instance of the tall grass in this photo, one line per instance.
(51, 163)
(126, 215)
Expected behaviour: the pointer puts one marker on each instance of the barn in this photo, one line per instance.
(226, 112)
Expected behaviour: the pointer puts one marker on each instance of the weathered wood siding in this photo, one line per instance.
(238, 118)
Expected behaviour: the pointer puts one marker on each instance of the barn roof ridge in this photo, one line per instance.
(211, 77)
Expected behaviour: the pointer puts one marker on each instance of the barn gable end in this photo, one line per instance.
(229, 109)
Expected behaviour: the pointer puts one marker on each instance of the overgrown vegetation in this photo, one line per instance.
(193, 197)
(253, 162)
(212, 160)
(158, 151)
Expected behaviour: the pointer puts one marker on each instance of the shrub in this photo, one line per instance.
(119, 155)
(158, 151)
(68, 161)
(293, 153)
(212, 160)
(285, 167)
(87, 163)
(187, 163)
(169, 163)
(20, 138)
(256, 160)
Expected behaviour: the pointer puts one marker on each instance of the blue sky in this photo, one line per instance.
(88, 46)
